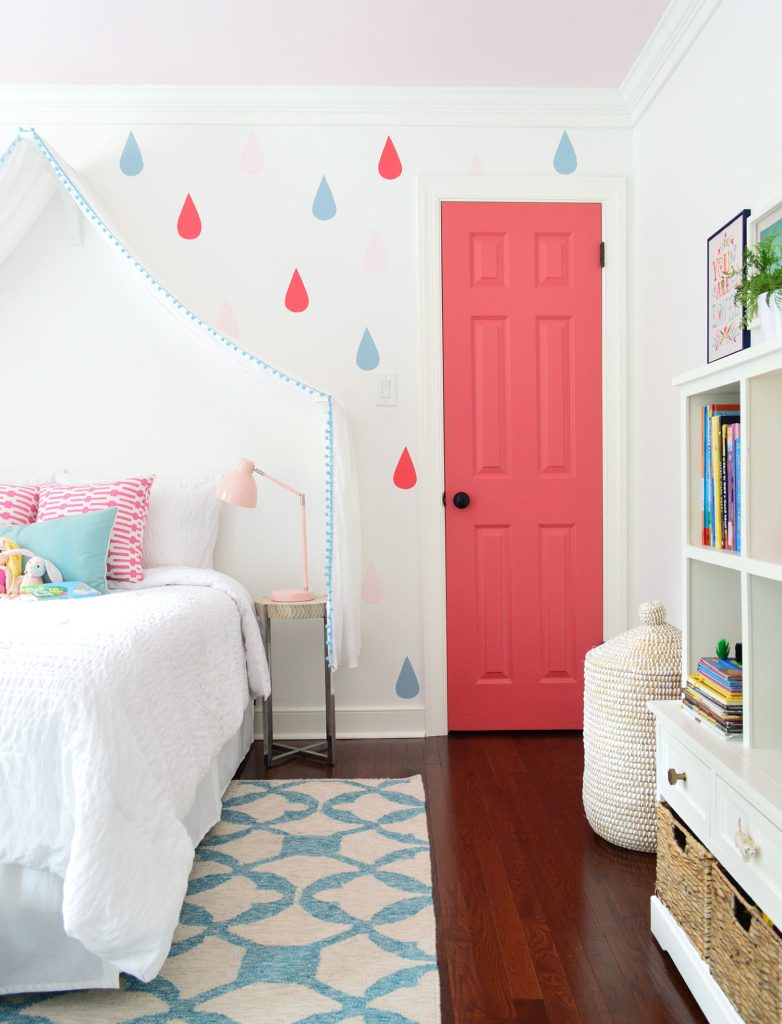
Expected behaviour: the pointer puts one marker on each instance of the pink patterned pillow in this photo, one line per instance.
(18, 503)
(130, 498)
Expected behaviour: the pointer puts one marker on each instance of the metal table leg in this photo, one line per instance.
(267, 703)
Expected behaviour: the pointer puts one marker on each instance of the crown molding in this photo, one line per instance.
(678, 28)
(330, 105)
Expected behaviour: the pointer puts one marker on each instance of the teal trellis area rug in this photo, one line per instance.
(310, 902)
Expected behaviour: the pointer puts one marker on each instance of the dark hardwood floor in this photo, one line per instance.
(539, 921)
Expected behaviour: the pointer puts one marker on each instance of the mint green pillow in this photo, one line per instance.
(78, 545)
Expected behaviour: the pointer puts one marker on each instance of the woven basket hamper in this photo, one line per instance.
(619, 743)
(684, 878)
(746, 954)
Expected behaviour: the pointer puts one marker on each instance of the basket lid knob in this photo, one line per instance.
(652, 613)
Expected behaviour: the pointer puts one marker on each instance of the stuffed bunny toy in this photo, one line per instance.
(34, 571)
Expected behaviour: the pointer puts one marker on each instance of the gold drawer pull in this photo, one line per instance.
(674, 776)
(745, 844)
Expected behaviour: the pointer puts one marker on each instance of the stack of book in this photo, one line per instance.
(721, 464)
(714, 695)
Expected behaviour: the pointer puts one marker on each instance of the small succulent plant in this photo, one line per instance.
(723, 649)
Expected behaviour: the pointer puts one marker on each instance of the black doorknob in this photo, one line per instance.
(461, 499)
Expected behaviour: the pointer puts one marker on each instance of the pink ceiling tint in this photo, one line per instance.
(324, 42)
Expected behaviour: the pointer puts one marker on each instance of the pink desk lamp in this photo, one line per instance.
(239, 488)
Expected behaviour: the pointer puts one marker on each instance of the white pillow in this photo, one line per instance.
(182, 524)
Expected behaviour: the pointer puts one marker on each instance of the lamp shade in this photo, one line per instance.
(239, 487)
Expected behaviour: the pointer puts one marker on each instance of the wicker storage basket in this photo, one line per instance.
(619, 746)
(684, 878)
(746, 954)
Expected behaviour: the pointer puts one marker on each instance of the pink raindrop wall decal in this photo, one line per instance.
(189, 223)
(226, 322)
(251, 160)
(476, 167)
(296, 298)
(404, 474)
(375, 259)
(131, 162)
(371, 588)
(389, 166)
(407, 685)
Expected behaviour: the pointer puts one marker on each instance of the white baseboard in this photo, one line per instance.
(352, 723)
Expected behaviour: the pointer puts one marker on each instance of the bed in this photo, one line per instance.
(122, 719)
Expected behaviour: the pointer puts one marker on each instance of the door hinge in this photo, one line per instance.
(602, 254)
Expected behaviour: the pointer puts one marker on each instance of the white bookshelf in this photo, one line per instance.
(723, 783)
(739, 595)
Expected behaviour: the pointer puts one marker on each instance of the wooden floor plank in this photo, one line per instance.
(538, 920)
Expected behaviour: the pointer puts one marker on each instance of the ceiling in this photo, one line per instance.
(558, 43)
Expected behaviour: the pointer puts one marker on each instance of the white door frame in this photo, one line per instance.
(610, 192)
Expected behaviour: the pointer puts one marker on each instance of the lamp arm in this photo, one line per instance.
(279, 483)
(303, 507)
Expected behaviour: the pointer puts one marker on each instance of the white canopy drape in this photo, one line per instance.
(30, 174)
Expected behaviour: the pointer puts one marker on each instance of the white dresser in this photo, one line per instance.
(730, 794)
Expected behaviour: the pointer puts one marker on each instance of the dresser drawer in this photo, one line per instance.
(689, 796)
(759, 871)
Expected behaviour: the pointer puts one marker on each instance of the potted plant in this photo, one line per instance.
(760, 290)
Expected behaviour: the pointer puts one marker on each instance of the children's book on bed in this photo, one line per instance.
(58, 591)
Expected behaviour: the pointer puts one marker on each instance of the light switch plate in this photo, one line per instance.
(385, 389)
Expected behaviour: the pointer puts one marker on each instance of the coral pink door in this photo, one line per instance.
(523, 442)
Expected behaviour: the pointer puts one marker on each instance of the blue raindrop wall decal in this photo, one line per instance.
(323, 205)
(131, 162)
(367, 356)
(407, 684)
(565, 161)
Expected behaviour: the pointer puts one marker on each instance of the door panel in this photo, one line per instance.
(522, 342)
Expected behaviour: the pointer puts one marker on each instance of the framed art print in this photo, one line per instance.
(725, 262)
(767, 224)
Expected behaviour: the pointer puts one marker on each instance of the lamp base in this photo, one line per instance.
(291, 596)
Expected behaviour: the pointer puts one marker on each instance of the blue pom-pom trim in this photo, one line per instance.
(84, 205)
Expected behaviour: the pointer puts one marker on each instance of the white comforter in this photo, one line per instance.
(111, 710)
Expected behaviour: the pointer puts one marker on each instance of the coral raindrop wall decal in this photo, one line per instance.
(296, 298)
(565, 161)
(371, 588)
(251, 160)
(367, 356)
(375, 259)
(189, 223)
(404, 475)
(226, 322)
(407, 685)
(323, 205)
(131, 162)
(389, 165)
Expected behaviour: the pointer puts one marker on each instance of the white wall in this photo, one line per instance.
(256, 229)
(708, 147)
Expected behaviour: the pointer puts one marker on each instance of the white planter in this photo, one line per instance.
(770, 316)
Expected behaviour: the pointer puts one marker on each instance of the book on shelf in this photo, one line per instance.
(721, 469)
(714, 695)
(727, 699)
(724, 670)
(732, 710)
(701, 714)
